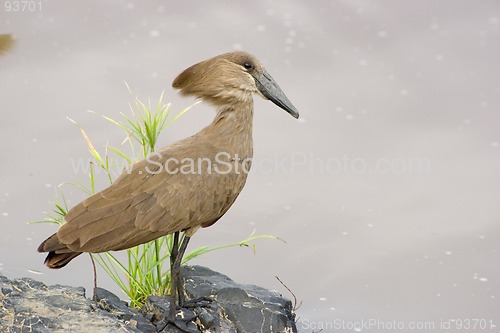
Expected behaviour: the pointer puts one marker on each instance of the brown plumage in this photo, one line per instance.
(150, 202)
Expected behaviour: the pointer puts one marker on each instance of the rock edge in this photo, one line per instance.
(222, 305)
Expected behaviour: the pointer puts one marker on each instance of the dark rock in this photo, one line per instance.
(222, 305)
(215, 304)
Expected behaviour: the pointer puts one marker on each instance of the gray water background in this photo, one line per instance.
(386, 191)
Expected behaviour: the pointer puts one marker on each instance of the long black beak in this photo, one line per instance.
(270, 89)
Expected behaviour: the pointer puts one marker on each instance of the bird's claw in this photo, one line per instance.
(200, 302)
(183, 326)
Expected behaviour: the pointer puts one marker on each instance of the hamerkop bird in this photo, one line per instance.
(158, 196)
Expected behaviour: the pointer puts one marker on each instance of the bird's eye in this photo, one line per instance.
(248, 65)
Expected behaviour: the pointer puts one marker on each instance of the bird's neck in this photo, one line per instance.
(231, 129)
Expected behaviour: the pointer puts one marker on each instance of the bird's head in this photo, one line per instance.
(231, 78)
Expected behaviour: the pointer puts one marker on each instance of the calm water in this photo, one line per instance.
(386, 190)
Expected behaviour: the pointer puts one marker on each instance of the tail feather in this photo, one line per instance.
(59, 254)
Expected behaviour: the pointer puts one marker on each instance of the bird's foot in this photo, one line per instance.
(180, 325)
(183, 320)
(200, 302)
(191, 314)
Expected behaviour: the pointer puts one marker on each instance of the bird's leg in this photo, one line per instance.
(176, 285)
(174, 250)
(94, 296)
(173, 280)
(178, 262)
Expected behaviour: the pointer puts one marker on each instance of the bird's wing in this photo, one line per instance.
(145, 204)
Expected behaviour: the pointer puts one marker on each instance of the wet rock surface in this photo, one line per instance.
(216, 304)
